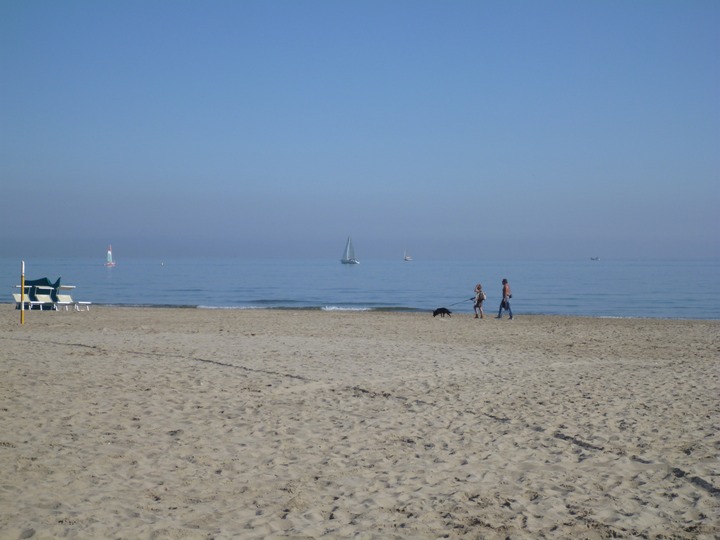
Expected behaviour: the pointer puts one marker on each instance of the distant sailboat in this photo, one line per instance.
(407, 257)
(109, 263)
(349, 253)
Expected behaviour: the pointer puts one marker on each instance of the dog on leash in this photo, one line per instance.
(442, 311)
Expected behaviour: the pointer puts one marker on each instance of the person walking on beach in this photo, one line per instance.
(506, 296)
(479, 299)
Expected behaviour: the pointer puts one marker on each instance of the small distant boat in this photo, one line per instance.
(594, 258)
(407, 257)
(349, 253)
(109, 263)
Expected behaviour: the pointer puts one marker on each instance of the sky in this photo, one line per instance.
(455, 129)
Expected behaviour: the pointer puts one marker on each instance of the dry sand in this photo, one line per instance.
(189, 423)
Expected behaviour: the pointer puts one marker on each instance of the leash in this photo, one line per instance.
(461, 301)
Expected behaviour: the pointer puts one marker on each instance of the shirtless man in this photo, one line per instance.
(506, 296)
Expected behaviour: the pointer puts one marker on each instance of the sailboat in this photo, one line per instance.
(407, 257)
(349, 253)
(109, 263)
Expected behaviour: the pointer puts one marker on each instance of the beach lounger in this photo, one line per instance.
(82, 306)
(43, 298)
(29, 302)
(64, 301)
(26, 300)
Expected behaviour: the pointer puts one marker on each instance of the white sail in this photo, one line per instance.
(109, 261)
(349, 253)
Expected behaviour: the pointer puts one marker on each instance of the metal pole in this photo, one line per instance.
(22, 293)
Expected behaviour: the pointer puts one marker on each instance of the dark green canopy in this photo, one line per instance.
(33, 284)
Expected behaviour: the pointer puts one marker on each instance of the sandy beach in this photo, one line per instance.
(190, 423)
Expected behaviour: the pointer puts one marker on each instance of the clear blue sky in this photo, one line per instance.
(457, 129)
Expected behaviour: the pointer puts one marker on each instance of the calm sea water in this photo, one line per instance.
(656, 289)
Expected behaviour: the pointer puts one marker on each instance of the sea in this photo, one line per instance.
(594, 288)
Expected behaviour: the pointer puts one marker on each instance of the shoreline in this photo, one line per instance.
(253, 423)
(389, 310)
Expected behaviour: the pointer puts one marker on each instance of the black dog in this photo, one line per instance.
(442, 311)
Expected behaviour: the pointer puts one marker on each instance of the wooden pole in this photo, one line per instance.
(22, 293)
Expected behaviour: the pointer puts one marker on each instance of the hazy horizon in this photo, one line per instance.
(176, 250)
(456, 130)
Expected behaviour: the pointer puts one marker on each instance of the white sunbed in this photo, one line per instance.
(28, 302)
(24, 300)
(82, 306)
(65, 300)
(43, 297)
